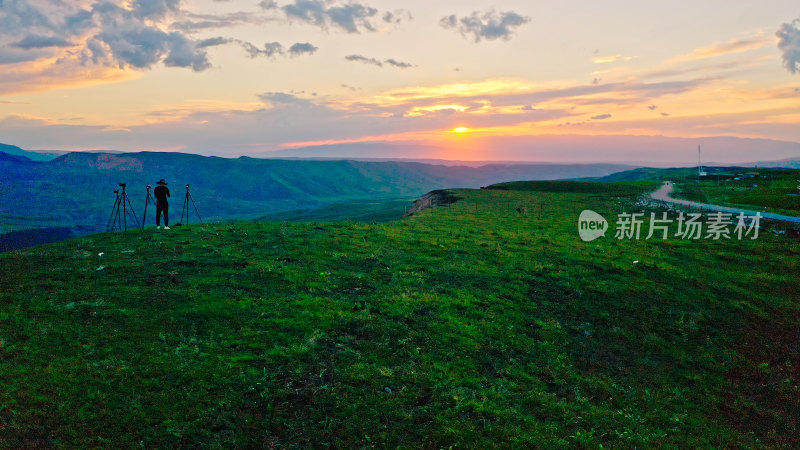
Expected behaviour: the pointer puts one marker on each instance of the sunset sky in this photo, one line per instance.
(242, 76)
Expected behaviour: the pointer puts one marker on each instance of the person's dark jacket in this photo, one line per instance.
(161, 193)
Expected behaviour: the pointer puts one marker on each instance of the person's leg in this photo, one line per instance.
(159, 208)
(166, 216)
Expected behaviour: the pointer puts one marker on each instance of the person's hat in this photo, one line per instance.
(161, 181)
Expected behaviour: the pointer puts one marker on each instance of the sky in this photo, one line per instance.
(243, 77)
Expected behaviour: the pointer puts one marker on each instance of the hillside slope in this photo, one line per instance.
(483, 323)
(16, 151)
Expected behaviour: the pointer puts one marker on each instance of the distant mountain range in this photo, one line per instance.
(652, 151)
(13, 150)
(44, 155)
(477, 150)
(75, 190)
(790, 163)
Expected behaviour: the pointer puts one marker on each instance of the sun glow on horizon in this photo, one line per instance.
(460, 130)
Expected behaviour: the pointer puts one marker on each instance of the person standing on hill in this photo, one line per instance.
(161, 192)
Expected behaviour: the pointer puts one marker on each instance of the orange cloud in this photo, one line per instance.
(721, 49)
(611, 59)
(420, 110)
(468, 89)
(171, 113)
(52, 74)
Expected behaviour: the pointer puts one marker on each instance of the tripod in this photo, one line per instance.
(185, 209)
(147, 200)
(121, 212)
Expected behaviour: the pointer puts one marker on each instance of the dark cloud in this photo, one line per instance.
(400, 64)
(789, 44)
(191, 26)
(184, 52)
(282, 98)
(20, 16)
(450, 21)
(113, 33)
(35, 41)
(14, 55)
(154, 9)
(375, 62)
(396, 16)
(364, 59)
(389, 17)
(127, 41)
(351, 17)
(211, 42)
(274, 49)
(271, 49)
(197, 22)
(78, 22)
(652, 107)
(489, 25)
(302, 48)
(136, 47)
(602, 117)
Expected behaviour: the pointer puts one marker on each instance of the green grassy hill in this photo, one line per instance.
(484, 323)
(354, 210)
(650, 174)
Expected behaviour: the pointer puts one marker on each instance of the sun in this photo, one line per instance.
(460, 130)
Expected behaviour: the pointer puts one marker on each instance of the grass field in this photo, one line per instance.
(378, 210)
(485, 323)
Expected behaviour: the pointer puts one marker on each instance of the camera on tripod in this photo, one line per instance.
(123, 210)
(122, 213)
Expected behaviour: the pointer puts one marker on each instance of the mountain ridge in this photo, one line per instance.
(637, 150)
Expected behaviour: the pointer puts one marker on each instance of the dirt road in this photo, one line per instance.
(664, 194)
